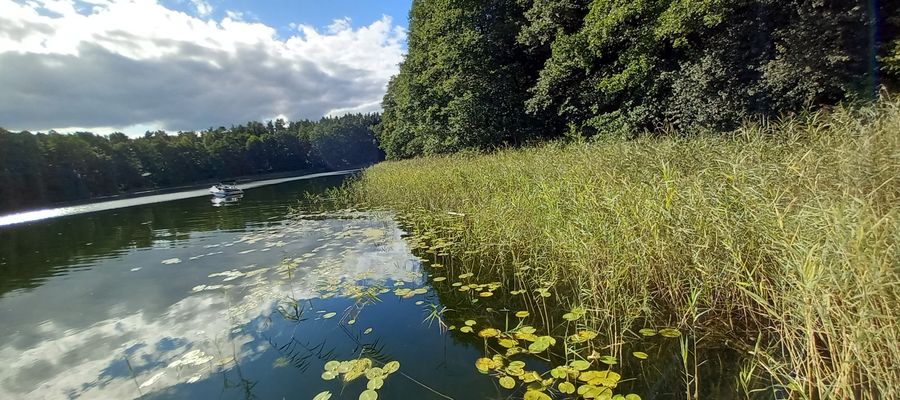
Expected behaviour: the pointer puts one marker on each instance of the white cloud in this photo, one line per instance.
(203, 7)
(121, 63)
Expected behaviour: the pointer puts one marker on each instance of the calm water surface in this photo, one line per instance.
(192, 299)
(186, 297)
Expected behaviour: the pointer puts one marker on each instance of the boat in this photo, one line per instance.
(225, 189)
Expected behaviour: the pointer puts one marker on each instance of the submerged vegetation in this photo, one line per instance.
(778, 240)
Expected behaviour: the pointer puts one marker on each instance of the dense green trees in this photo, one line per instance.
(464, 82)
(37, 169)
(494, 72)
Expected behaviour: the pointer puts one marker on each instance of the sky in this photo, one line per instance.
(138, 65)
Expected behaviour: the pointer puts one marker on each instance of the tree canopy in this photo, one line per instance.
(43, 168)
(481, 74)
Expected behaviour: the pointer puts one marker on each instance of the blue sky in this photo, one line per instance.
(280, 14)
(137, 65)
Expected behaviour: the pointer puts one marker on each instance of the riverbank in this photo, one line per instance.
(779, 239)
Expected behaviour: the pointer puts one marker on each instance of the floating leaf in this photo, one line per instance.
(669, 332)
(329, 315)
(507, 342)
(353, 374)
(559, 372)
(647, 332)
(367, 331)
(332, 365)
(567, 388)
(507, 382)
(608, 360)
(368, 394)
(351, 322)
(329, 375)
(466, 329)
(632, 396)
(522, 314)
(470, 322)
(582, 336)
(486, 294)
(488, 333)
(536, 395)
(484, 364)
(323, 396)
(580, 365)
(391, 367)
(440, 278)
(375, 383)
(640, 355)
(374, 372)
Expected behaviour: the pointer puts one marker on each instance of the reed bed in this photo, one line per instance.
(779, 238)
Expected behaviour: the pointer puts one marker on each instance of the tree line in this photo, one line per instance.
(488, 73)
(43, 168)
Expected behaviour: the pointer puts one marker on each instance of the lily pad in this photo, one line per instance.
(608, 360)
(580, 365)
(669, 332)
(536, 395)
(567, 388)
(640, 355)
(329, 375)
(522, 314)
(375, 384)
(368, 394)
(488, 333)
(507, 382)
(391, 367)
(323, 396)
(647, 332)
(329, 315)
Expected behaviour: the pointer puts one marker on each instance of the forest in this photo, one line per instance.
(489, 74)
(45, 168)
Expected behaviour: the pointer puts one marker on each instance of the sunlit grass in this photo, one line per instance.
(780, 238)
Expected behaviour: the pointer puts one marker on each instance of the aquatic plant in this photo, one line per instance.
(780, 239)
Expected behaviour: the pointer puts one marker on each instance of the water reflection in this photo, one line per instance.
(226, 201)
(159, 332)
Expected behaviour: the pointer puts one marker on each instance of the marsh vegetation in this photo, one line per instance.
(777, 241)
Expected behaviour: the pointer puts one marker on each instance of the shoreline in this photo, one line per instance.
(173, 189)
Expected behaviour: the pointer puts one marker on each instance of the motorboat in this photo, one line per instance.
(225, 189)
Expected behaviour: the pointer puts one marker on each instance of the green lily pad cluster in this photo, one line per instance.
(351, 370)
(405, 293)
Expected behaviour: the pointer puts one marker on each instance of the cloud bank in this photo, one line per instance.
(113, 64)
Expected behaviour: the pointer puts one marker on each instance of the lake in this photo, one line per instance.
(185, 296)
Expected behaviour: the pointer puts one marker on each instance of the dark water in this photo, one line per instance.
(195, 299)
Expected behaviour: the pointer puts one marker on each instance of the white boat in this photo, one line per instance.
(225, 190)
